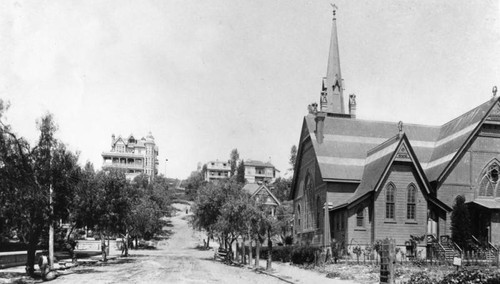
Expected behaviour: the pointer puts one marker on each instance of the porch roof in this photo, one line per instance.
(488, 203)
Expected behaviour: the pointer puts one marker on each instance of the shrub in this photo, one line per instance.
(421, 278)
(470, 276)
(303, 254)
(295, 254)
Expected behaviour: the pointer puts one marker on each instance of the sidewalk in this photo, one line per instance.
(294, 274)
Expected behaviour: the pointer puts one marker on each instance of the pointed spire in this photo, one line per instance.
(332, 98)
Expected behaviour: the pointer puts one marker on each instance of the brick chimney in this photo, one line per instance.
(352, 105)
(320, 126)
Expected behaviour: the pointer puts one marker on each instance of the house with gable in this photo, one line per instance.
(386, 179)
(262, 194)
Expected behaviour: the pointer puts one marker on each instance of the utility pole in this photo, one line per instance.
(166, 160)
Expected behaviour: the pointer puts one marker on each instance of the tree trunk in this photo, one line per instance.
(243, 254)
(257, 253)
(269, 250)
(30, 264)
(249, 249)
(237, 258)
(125, 243)
(103, 247)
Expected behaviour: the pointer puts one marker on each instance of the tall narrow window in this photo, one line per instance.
(298, 217)
(309, 202)
(410, 205)
(389, 203)
(318, 211)
(360, 217)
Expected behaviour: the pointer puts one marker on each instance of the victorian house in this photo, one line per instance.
(132, 156)
(388, 179)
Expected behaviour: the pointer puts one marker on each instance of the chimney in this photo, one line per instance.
(320, 126)
(352, 105)
(112, 140)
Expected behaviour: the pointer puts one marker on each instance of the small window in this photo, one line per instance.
(411, 202)
(360, 217)
(389, 205)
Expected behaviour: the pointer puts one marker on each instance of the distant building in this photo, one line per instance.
(133, 156)
(217, 170)
(263, 195)
(257, 171)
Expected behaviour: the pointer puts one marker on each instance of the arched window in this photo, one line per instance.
(489, 179)
(318, 211)
(411, 202)
(389, 201)
(360, 217)
(309, 201)
(298, 217)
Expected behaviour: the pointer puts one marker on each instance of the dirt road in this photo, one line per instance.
(175, 261)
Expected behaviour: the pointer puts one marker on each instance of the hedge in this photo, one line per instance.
(295, 254)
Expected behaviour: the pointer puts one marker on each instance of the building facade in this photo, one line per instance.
(217, 170)
(260, 172)
(133, 156)
(386, 179)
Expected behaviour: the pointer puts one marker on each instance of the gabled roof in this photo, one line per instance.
(343, 154)
(379, 161)
(253, 189)
(347, 141)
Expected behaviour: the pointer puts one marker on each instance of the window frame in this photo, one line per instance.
(360, 217)
(390, 204)
(411, 202)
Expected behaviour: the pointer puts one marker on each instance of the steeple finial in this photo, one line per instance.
(332, 98)
(334, 8)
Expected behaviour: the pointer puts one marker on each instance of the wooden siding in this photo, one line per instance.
(309, 232)
(361, 235)
(400, 228)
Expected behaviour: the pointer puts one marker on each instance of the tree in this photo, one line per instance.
(460, 222)
(284, 217)
(281, 188)
(240, 173)
(206, 208)
(27, 176)
(293, 156)
(193, 183)
(233, 160)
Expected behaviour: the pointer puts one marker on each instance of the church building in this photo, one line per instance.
(382, 180)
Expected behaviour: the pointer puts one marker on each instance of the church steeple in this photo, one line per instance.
(332, 98)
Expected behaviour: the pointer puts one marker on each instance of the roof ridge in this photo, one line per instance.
(469, 111)
(383, 145)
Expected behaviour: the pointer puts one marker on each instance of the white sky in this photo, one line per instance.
(209, 76)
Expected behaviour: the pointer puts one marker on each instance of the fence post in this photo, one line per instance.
(387, 261)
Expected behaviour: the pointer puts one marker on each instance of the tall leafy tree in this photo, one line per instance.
(460, 222)
(27, 176)
(281, 188)
(240, 172)
(193, 183)
(293, 156)
(233, 160)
